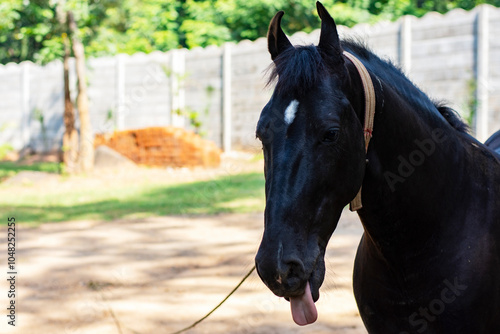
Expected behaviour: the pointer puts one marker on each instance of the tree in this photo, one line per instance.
(86, 149)
(26, 29)
(29, 30)
(70, 136)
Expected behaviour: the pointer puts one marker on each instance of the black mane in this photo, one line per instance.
(392, 73)
(299, 69)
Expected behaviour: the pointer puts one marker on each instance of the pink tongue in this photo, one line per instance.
(303, 308)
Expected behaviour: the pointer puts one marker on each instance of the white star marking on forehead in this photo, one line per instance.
(290, 111)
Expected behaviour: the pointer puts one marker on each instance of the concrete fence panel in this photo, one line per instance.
(220, 91)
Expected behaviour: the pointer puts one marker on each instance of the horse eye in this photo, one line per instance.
(331, 135)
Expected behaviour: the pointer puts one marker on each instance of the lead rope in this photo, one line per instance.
(216, 307)
(370, 103)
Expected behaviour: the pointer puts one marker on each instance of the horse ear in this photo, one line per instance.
(277, 42)
(329, 41)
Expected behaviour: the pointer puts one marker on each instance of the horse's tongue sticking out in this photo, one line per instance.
(303, 308)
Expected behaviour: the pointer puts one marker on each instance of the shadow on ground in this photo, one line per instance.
(158, 275)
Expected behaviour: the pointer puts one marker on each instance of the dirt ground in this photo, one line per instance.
(159, 275)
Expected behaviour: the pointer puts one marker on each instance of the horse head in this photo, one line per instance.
(314, 154)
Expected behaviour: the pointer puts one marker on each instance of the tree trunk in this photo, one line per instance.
(70, 137)
(86, 156)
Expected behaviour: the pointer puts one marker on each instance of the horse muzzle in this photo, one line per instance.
(297, 280)
(286, 272)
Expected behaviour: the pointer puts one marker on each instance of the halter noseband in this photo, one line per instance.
(370, 103)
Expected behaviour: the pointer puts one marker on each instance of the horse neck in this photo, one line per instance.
(415, 168)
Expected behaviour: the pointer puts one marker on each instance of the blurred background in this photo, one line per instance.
(200, 65)
(128, 154)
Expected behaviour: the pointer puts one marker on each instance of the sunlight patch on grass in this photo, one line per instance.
(142, 198)
(9, 168)
(243, 204)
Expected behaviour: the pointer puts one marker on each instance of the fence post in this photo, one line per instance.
(482, 68)
(405, 43)
(25, 105)
(226, 98)
(120, 93)
(178, 78)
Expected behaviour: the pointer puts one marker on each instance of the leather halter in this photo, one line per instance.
(370, 103)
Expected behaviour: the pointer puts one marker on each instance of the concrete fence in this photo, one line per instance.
(453, 57)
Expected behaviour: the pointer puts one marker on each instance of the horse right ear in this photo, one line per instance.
(277, 42)
(329, 41)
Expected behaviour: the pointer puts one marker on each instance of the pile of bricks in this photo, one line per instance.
(162, 146)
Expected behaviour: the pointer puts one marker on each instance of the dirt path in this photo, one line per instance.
(160, 274)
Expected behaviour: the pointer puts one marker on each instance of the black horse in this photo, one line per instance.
(429, 258)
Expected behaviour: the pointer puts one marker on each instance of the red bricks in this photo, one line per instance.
(162, 146)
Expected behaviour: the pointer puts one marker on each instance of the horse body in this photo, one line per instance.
(429, 231)
(430, 240)
(431, 218)
(429, 259)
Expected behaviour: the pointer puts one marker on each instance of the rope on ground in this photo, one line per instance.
(110, 310)
(215, 308)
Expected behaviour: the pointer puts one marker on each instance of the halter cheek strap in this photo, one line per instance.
(370, 103)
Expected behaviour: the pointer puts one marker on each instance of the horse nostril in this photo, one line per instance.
(295, 266)
(281, 272)
(293, 273)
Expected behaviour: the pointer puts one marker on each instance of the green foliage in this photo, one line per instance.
(202, 33)
(201, 25)
(38, 116)
(472, 102)
(24, 28)
(4, 150)
(32, 30)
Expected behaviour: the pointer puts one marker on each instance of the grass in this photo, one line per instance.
(142, 198)
(9, 168)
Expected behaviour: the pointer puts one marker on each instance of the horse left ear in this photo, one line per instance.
(277, 42)
(329, 41)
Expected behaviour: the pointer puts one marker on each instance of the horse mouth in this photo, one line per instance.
(302, 300)
(296, 287)
(302, 306)
(313, 287)
(294, 275)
